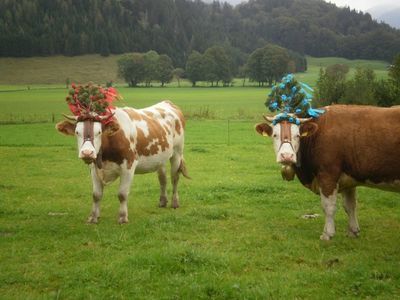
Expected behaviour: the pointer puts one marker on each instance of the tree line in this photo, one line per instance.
(179, 27)
(216, 65)
(333, 86)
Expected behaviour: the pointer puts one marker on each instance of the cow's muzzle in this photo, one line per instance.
(88, 156)
(287, 158)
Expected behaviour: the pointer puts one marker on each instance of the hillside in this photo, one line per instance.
(177, 27)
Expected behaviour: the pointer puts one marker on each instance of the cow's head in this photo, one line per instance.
(88, 130)
(287, 136)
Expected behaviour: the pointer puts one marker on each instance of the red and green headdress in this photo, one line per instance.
(92, 101)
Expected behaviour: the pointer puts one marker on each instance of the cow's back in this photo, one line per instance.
(155, 133)
(361, 142)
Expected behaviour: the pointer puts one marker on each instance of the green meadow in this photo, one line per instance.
(239, 233)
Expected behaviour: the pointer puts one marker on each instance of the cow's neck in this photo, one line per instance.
(99, 159)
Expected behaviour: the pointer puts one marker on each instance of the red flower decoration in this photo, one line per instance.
(92, 100)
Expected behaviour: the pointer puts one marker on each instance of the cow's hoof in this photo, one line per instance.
(325, 237)
(92, 220)
(353, 233)
(175, 205)
(123, 220)
(163, 202)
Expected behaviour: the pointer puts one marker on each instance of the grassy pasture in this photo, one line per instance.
(238, 234)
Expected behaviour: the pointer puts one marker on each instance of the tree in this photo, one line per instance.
(131, 68)
(384, 94)
(243, 73)
(150, 66)
(104, 45)
(217, 65)
(331, 84)
(178, 73)
(195, 68)
(268, 64)
(360, 89)
(164, 69)
(387, 92)
(255, 67)
(394, 77)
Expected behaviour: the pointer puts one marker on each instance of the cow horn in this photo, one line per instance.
(268, 119)
(72, 118)
(102, 118)
(303, 120)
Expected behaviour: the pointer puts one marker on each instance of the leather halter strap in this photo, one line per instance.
(88, 136)
(286, 133)
(88, 132)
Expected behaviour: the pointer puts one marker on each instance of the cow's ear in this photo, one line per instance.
(264, 129)
(66, 127)
(111, 128)
(308, 129)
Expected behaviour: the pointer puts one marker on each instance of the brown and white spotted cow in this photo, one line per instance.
(346, 147)
(135, 141)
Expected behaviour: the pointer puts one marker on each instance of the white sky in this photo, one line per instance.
(356, 4)
(364, 4)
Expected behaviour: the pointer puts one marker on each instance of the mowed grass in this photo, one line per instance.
(239, 233)
(207, 103)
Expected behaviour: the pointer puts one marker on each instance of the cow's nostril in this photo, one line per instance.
(87, 153)
(287, 156)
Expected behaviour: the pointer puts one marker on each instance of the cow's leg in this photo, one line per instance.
(328, 191)
(329, 206)
(349, 204)
(123, 193)
(97, 195)
(162, 178)
(175, 165)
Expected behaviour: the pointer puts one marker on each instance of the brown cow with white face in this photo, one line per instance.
(346, 147)
(135, 141)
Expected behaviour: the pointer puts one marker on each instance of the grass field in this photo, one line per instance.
(237, 235)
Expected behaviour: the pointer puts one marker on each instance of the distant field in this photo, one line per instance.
(40, 105)
(314, 64)
(55, 70)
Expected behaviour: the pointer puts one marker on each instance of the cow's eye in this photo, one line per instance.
(76, 132)
(274, 135)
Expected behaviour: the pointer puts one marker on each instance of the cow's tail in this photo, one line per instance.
(183, 169)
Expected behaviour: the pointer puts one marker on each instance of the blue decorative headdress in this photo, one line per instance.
(293, 100)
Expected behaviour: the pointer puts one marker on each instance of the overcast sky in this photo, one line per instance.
(364, 4)
(356, 4)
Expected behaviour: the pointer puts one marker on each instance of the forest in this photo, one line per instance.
(179, 27)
